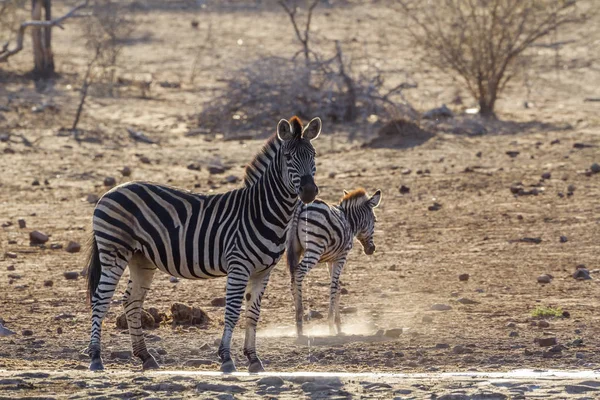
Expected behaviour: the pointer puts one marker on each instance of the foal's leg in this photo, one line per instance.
(310, 259)
(334, 319)
(254, 292)
(142, 272)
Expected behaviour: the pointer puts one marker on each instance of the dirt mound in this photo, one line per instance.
(186, 315)
(148, 321)
(400, 134)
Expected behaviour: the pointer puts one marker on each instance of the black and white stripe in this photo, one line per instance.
(240, 234)
(323, 233)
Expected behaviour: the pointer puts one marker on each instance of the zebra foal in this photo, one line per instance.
(320, 232)
(240, 234)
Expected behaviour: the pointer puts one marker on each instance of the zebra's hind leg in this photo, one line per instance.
(105, 268)
(237, 280)
(254, 292)
(141, 275)
(335, 322)
(309, 260)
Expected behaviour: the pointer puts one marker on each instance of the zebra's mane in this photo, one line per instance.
(354, 198)
(256, 167)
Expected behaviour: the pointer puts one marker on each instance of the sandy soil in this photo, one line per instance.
(420, 253)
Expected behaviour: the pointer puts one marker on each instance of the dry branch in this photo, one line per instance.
(6, 52)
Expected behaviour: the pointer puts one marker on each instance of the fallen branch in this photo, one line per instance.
(5, 53)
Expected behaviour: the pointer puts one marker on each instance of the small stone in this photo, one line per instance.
(92, 198)
(110, 181)
(48, 283)
(126, 171)
(579, 355)
(232, 179)
(218, 302)
(27, 332)
(332, 175)
(71, 275)
(121, 354)
(543, 324)
(349, 310)
(162, 352)
(37, 237)
(571, 188)
(435, 207)
(197, 362)
(215, 169)
(581, 273)
(511, 325)
(404, 189)
(173, 279)
(440, 307)
(556, 349)
(463, 277)
(35, 182)
(513, 334)
(194, 167)
(22, 223)
(59, 330)
(442, 346)
(393, 333)
(344, 291)
(513, 154)
(73, 247)
(406, 171)
(577, 342)
(268, 381)
(566, 314)
(464, 300)
(546, 175)
(563, 239)
(545, 278)
(145, 160)
(595, 168)
(546, 342)
(528, 352)
(56, 246)
(460, 349)
(10, 268)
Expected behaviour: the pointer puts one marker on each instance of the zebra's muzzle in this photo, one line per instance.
(369, 249)
(308, 189)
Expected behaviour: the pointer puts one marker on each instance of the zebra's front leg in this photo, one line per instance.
(309, 260)
(254, 292)
(237, 280)
(142, 273)
(335, 322)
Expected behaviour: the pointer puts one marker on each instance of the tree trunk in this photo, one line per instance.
(43, 59)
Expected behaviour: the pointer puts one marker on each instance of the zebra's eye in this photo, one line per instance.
(288, 156)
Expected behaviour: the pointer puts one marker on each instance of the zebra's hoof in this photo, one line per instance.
(228, 367)
(150, 363)
(255, 367)
(96, 365)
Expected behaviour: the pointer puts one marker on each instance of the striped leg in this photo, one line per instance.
(113, 264)
(142, 272)
(254, 292)
(335, 270)
(237, 280)
(310, 259)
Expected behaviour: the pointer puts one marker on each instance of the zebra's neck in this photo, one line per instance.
(350, 217)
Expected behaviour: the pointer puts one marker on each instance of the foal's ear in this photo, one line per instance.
(284, 130)
(375, 199)
(312, 129)
(346, 192)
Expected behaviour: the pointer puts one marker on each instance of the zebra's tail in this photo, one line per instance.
(294, 248)
(94, 269)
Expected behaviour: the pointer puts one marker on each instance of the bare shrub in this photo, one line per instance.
(482, 40)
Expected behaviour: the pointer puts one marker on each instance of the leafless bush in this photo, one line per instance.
(482, 40)
(107, 32)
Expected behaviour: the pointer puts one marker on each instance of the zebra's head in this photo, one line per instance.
(299, 156)
(358, 207)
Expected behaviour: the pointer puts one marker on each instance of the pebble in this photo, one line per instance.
(581, 273)
(332, 175)
(48, 283)
(546, 342)
(463, 277)
(232, 179)
(270, 381)
(22, 223)
(56, 246)
(511, 325)
(27, 332)
(393, 333)
(126, 171)
(404, 189)
(173, 279)
(595, 168)
(218, 302)
(73, 247)
(464, 300)
(110, 181)
(215, 169)
(545, 278)
(435, 207)
(10, 268)
(37, 237)
(197, 362)
(344, 291)
(406, 171)
(59, 330)
(71, 275)
(145, 160)
(546, 175)
(543, 324)
(460, 349)
(194, 167)
(442, 346)
(563, 239)
(92, 198)
(513, 334)
(440, 307)
(349, 310)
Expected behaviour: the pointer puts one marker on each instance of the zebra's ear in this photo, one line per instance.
(312, 129)
(284, 130)
(375, 199)
(345, 192)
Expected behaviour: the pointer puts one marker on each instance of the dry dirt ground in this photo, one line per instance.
(420, 253)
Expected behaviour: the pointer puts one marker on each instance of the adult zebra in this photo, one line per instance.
(240, 234)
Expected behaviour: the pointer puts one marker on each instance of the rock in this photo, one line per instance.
(563, 239)
(478, 154)
(14, 276)
(10, 254)
(312, 387)
(10, 268)
(435, 207)
(27, 332)
(157, 315)
(595, 168)
(463, 277)
(427, 319)
(406, 171)
(438, 113)
(581, 273)
(313, 314)
(110, 181)
(194, 167)
(349, 310)
(145, 160)
(460, 349)
(543, 324)
(220, 388)
(121, 354)
(546, 175)
(571, 188)
(126, 171)
(92, 198)
(513, 334)
(232, 179)
(546, 342)
(511, 325)
(404, 189)
(566, 314)
(513, 154)
(186, 315)
(35, 182)
(71, 275)
(56, 246)
(344, 291)
(581, 145)
(534, 240)
(22, 223)
(48, 283)
(148, 321)
(37, 237)
(440, 307)
(73, 247)
(393, 333)
(173, 279)
(545, 278)
(218, 302)
(270, 381)
(332, 175)
(215, 169)
(464, 300)
(442, 346)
